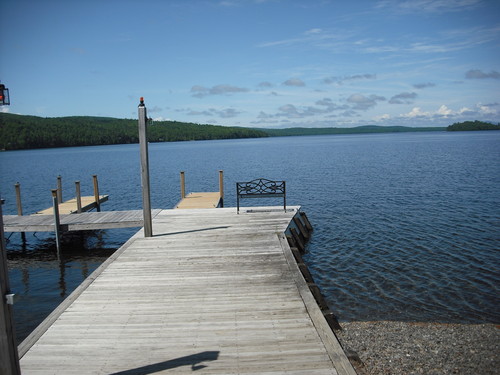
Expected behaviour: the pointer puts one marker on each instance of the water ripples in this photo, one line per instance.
(407, 261)
(407, 226)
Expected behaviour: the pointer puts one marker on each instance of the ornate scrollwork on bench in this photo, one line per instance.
(260, 188)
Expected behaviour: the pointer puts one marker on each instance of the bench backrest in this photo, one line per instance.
(260, 188)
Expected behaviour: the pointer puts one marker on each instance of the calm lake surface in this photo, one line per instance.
(407, 226)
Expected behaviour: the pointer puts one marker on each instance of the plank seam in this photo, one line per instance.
(34, 336)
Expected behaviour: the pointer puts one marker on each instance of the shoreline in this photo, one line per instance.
(390, 347)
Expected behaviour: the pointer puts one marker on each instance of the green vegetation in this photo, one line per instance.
(27, 132)
(472, 125)
(356, 130)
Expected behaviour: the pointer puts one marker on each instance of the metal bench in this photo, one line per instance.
(260, 188)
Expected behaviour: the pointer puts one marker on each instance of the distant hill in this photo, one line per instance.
(355, 130)
(27, 132)
(472, 125)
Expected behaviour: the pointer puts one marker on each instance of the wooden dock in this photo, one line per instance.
(203, 199)
(75, 222)
(200, 200)
(71, 206)
(212, 291)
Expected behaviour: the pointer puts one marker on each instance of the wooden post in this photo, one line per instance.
(78, 197)
(221, 187)
(57, 223)
(183, 186)
(307, 223)
(96, 193)
(284, 195)
(301, 228)
(298, 241)
(59, 189)
(20, 208)
(18, 199)
(9, 363)
(146, 197)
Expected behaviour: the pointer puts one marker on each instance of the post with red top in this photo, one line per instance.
(146, 196)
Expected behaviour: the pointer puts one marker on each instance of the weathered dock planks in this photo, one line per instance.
(75, 222)
(200, 200)
(211, 291)
(71, 206)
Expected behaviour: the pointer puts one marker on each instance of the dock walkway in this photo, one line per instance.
(211, 291)
(71, 206)
(75, 222)
(200, 200)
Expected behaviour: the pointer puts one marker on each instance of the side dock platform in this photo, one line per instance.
(212, 291)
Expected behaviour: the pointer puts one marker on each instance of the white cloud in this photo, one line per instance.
(416, 112)
(428, 6)
(341, 80)
(361, 102)
(319, 38)
(294, 82)
(444, 111)
(201, 91)
(478, 74)
(200, 113)
(464, 111)
(489, 109)
(265, 84)
(222, 113)
(383, 117)
(290, 111)
(486, 112)
(228, 113)
(403, 98)
(424, 85)
(313, 31)
(330, 106)
(154, 109)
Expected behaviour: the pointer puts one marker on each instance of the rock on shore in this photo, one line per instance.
(421, 348)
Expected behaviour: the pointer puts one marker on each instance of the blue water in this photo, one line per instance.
(407, 226)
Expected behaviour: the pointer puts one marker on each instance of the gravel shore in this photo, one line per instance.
(402, 348)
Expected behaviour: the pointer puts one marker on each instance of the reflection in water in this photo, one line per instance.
(42, 280)
(62, 282)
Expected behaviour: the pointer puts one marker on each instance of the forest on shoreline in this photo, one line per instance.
(472, 125)
(19, 132)
(27, 132)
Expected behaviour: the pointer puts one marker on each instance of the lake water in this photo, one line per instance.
(407, 226)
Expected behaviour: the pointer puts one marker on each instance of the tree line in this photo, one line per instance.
(27, 132)
(354, 130)
(19, 132)
(473, 125)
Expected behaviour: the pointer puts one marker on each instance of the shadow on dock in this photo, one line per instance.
(192, 360)
(189, 231)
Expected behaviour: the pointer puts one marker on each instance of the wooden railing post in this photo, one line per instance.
(221, 187)
(9, 363)
(57, 223)
(20, 208)
(183, 185)
(96, 193)
(59, 189)
(78, 197)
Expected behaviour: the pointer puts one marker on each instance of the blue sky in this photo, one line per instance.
(255, 63)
